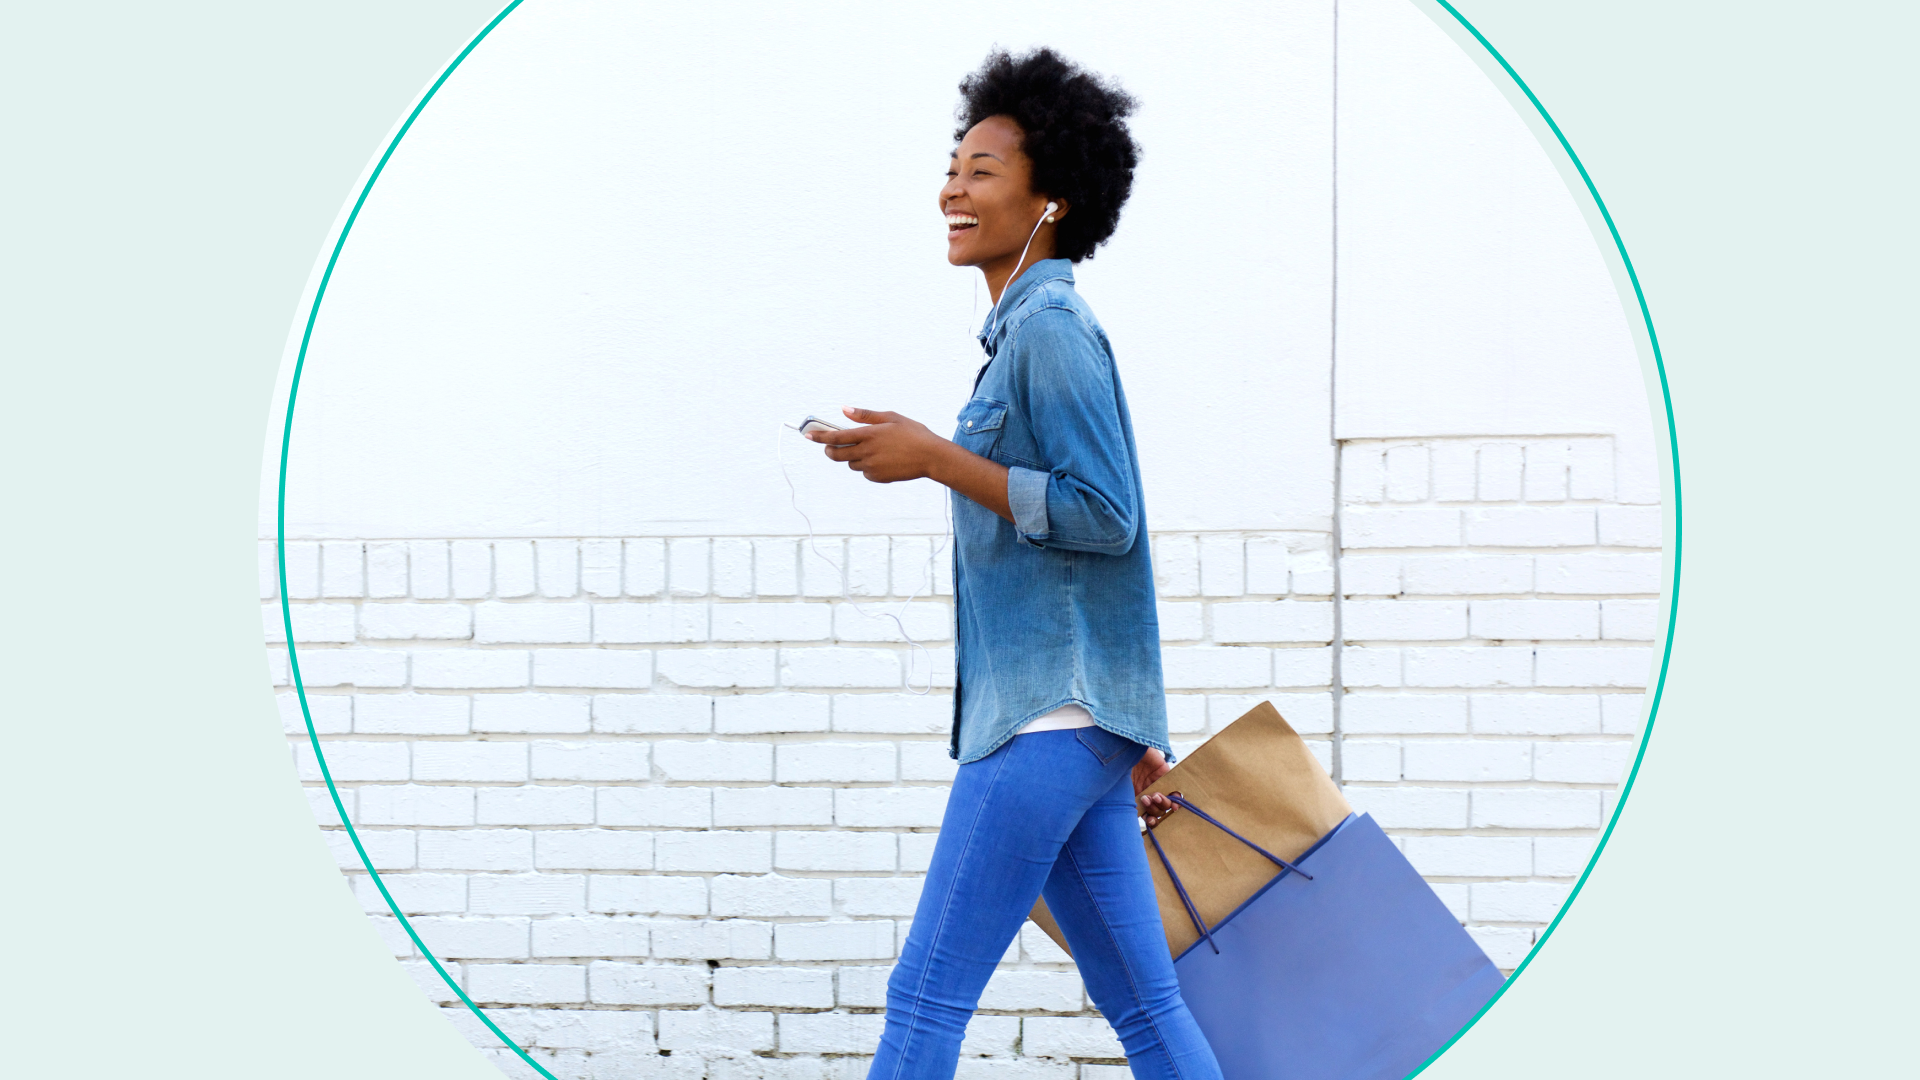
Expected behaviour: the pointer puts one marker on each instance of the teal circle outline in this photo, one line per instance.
(313, 737)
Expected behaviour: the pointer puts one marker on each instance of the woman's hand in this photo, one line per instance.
(891, 448)
(1152, 766)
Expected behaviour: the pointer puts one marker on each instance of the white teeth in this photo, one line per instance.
(956, 220)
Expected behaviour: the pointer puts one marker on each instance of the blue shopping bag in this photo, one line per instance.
(1345, 966)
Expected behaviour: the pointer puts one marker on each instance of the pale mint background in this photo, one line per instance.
(173, 170)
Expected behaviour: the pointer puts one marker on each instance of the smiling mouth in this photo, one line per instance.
(959, 223)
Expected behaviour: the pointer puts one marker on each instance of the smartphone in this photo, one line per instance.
(813, 423)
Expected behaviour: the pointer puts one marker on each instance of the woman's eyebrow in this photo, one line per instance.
(983, 153)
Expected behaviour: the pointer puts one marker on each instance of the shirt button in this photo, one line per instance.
(969, 423)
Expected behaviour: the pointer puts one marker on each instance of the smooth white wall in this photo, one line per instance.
(626, 242)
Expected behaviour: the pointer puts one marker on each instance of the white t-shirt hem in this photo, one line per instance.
(1066, 717)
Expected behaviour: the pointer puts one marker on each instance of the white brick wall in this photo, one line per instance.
(676, 795)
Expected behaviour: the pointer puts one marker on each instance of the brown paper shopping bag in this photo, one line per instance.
(1256, 776)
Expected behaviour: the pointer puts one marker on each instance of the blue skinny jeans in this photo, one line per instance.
(1049, 813)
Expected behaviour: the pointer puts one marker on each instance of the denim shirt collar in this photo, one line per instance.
(999, 319)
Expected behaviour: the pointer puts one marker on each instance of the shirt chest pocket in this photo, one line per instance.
(982, 422)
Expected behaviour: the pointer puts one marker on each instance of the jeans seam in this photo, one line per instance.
(1133, 983)
(946, 906)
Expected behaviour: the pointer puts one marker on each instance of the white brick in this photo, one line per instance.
(923, 621)
(771, 896)
(331, 623)
(1176, 564)
(320, 801)
(1399, 527)
(513, 568)
(476, 849)
(342, 572)
(1370, 759)
(645, 571)
(889, 808)
(530, 984)
(1506, 946)
(1040, 948)
(912, 566)
(723, 939)
(1407, 473)
(602, 1031)
(930, 761)
(463, 938)
(1371, 667)
(1208, 667)
(776, 567)
(1590, 469)
(481, 762)
(303, 570)
(839, 668)
(835, 762)
(1302, 667)
(1455, 575)
(1587, 574)
(867, 559)
(1028, 991)
(1473, 762)
(646, 894)
(713, 760)
(893, 714)
(530, 623)
(536, 806)
(1181, 622)
(830, 1033)
(1469, 667)
(592, 936)
(779, 988)
(864, 940)
(1535, 808)
(834, 852)
(1105, 1072)
(353, 667)
(716, 852)
(718, 667)
(772, 622)
(613, 983)
(1186, 715)
(732, 568)
(1536, 620)
(470, 669)
(589, 761)
(735, 807)
(1535, 714)
(1267, 562)
(559, 567)
(1530, 526)
(1516, 901)
(1546, 475)
(1223, 566)
(651, 714)
(600, 568)
(1370, 575)
(410, 714)
(1471, 856)
(1581, 763)
(687, 561)
(526, 894)
(530, 713)
(864, 986)
(1069, 1037)
(820, 563)
(416, 894)
(759, 714)
(387, 849)
(916, 851)
(1363, 473)
(332, 713)
(894, 896)
(1403, 620)
(411, 804)
(1627, 667)
(592, 849)
(1403, 714)
(1281, 621)
(611, 669)
(1630, 620)
(470, 569)
(350, 761)
(655, 807)
(1622, 714)
(1633, 526)
(268, 565)
(407, 622)
(1561, 856)
(1453, 471)
(1412, 807)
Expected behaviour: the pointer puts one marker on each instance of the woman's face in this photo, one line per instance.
(989, 201)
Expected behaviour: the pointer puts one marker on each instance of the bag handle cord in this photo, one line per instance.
(1192, 912)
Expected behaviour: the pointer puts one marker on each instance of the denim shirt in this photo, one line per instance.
(1058, 606)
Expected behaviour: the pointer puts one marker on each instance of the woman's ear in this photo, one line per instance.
(1056, 209)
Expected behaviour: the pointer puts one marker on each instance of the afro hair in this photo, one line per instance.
(1074, 128)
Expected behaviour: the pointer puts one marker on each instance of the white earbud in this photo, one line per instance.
(1051, 207)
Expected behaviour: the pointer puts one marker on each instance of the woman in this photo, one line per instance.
(1059, 710)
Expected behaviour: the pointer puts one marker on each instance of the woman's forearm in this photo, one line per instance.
(981, 479)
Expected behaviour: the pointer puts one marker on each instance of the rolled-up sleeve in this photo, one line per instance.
(1085, 500)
